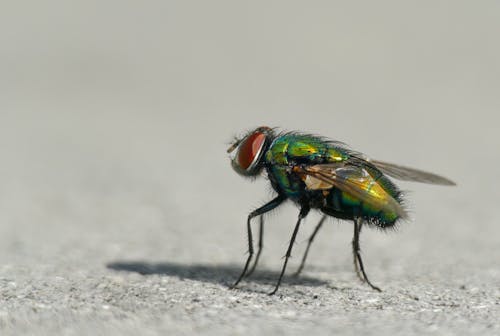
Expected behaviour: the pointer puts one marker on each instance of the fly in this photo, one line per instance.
(317, 173)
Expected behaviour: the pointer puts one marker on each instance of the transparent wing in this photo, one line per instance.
(410, 174)
(354, 180)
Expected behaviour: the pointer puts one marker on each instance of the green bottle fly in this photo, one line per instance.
(318, 173)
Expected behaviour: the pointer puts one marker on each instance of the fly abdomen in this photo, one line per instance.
(342, 205)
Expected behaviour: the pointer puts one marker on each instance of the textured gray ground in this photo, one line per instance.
(120, 214)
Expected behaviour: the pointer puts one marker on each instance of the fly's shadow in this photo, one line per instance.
(219, 274)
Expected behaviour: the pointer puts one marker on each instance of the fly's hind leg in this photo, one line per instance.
(309, 242)
(358, 262)
(356, 248)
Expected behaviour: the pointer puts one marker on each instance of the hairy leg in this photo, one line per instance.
(309, 242)
(303, 213)
(358, 262)
(260, 211)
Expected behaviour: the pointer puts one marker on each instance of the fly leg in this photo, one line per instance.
(261, 239)
(358, 262)
(260, 211)
(309, 242)
(303, 213)
(355, 247)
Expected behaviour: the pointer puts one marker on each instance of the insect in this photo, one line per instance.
(317, 173)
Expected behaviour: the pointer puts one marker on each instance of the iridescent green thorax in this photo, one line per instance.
(291, 149)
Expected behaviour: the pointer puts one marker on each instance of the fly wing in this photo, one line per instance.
(354, 180)
(410, 174)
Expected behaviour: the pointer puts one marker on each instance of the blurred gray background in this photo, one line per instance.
(120, 213)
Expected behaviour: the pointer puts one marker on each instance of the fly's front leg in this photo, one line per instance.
(261, 244)
(303, 213)
(309, 242)
(260, 211)
(358, 262)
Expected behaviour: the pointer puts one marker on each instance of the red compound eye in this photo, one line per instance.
(250, 149)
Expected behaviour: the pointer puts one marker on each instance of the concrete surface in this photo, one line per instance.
(120, 214)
